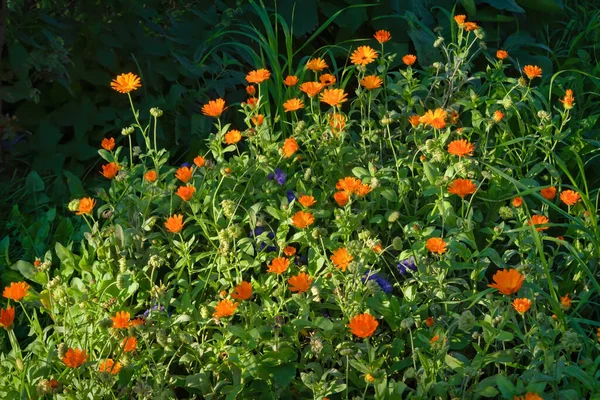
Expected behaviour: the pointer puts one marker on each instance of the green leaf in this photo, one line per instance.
(34, 183)
(323, 323)
(508, 5)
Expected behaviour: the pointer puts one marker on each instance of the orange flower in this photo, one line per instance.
(460, 19)
(300, 283)
(341, 198)
(316, 64)
(532, 71)
(110, 366)
(303, 219)
(548, 193)
(434, 339)
(507, 281)
(214, 108)
(252, 101)
(110, 170)
(471, 26)
(429, 321)
(175, 223)
(498, 115)
(528, 396)
(341, 258)
(382, 36)
(454, 117)
(290, 146)
(598, 334)
(369, 378)
(258, 76)
(371, 82)
(108, 144)
(184, 174)
(462, 187)
(150, 176)
(461, 148)
(233, 136)
(501, 54)
(225, 308)
(436, 245)
(435, 118)
(327, 79)
(363, 325)
(565, 301)
(569, 197)
(86, 205)
(414, 120)
(16, 291)
(289, 251)
(126, 83)
(258, 120)
(121, 320)
(7, 317)
(279, 265)
(409, 59)
(517, 202)
(307, 201)
(129, 344)
(538, 220)
(363, 190)
(138, 321)
(348, 184)
(334, 97)
(522, 305)
(337, 122)
(293, 105)
(378, 248)
(363, 55)
(186, 192)
(311, 88)
(251, 90)
(199, 161)
(291, 80)
(243, 291)
(74, 358)
(568, 100)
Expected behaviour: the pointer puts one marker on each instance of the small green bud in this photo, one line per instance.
(156, 112)
(74, 205)
(127, 131)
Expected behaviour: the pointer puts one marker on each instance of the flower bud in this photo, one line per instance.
(393, 217)
(156, 112)
(127, 131)
(397, 244)
(73, 205)
(407, 323)
(466, 321)
(438, 42)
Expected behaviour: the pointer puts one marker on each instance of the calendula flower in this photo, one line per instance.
(538, 220)
(334, 97)
(565, 302)
(454, 117)
(290, 80)
(462, 187)
(199, 161)
(371, 82)
(532, 71)
(108, 144)
(460, 19)
(7, 317)
(382, 36)
(498, 115)
(174, 224)
(522, 305)
(150, 176)
(507, 281)
(341, 198)
(293, 105)
(429, 322)
(252, 101)
(86, 205)
(110, 170)
(501, 54)
(186, 192)
(16, 291)
(378, 248)
(369, 378)
(121, 320)
(74, 358)
(436, 245)
(568, 100)
(470, 26)
(434, 339)
(363, 55)
(363, 190)
(414, 120)
(307, 201)
(363, 325)
(138, 321)
(409, 59)
(233, 136)
(435, 118)
(337, 122)
(461, 148)
(289, 251)
(225, 308)
(528, 396)
(243, 291)
(214, 108)
(341, 258)
(258, 76)
(303, 219)
(258, 120)
(569, 197)
(251, 90)
(548, 193)
(517, 202)
(126, 83)
(184, 174)
(348, 184)
(290, 146)
(110, 366)
(300, 283)
(327, 79)
(129, 344)
(316, 64)
(279, 265)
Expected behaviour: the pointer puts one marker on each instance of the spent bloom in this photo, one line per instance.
(507, 281)
(407, 265)
(363, 325)
(126, 83)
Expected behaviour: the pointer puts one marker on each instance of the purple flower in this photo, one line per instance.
(156, 307)
(278, 175)
(186, 164)
(290, 195)
(383, 283)
(257, 231)
(408, 264)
